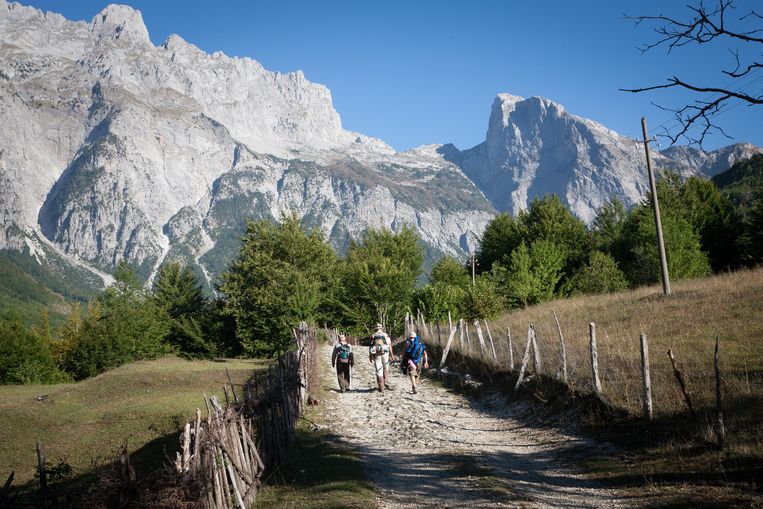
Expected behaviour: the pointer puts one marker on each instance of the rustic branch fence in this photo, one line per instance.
(226, 454)
(579, 372)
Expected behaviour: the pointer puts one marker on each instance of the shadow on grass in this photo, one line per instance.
(320, 471)
(98, 485)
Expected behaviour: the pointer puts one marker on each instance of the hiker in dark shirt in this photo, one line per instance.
(414, 357)
(342, 359)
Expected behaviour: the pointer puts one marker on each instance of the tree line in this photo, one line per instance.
(285, 273)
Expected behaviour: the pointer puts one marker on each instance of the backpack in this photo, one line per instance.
(414, 350)
(379, 344)
(344, 353)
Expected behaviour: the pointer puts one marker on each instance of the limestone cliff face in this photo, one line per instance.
(534, 147)
(112, 148)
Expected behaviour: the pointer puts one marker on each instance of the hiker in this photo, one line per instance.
(379, 354)
(342, 359)
(414, 357)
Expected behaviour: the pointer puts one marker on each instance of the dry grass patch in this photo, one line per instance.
(688, 322)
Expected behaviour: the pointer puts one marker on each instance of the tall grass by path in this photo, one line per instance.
(673, 458)
(688, 321)
(83, 424)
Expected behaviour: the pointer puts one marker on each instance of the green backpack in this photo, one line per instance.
(344, 353)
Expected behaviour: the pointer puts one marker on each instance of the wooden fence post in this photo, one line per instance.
(232, 388)
(41, 467)
(480, 337)
(490, 337)
(461, 334)
(594, 359)
(468, 339)
(451, 334)
(525, 359)
(536, 351)
(511, 350)
(647, 382)
(682, 383)
(720, 427)
(563, 349)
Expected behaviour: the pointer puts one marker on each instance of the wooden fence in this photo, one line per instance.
(225, 455)
(475, 347)
(222, 456)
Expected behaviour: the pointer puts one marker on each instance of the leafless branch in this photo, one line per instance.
(705, 25)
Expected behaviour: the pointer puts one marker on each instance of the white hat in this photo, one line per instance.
(412, 335)
(379, 326)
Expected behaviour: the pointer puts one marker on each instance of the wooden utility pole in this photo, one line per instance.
(656, 208)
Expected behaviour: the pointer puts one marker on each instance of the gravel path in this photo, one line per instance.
(438, 448)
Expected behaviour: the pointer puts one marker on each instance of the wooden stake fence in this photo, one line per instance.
(536, 351)
(720, 428)
(682, 384)
(525, 359)
(227, 455)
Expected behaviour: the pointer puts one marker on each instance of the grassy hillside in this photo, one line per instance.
(674, 455)
(83, 424)
(28, 287)
(688, 321)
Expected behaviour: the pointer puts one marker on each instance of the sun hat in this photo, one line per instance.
(412, 335)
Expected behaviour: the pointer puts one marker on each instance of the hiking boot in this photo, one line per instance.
(414, 390)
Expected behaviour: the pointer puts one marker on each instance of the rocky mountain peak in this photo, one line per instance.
(503, 105)
(120, 22)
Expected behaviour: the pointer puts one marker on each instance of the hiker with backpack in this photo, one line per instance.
(342, 359)
(379, 354)
(414, 357)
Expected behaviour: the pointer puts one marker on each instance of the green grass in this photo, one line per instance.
(83, 424)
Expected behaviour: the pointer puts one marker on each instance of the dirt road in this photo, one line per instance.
(438, 448)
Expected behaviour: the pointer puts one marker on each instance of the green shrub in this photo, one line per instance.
(481, 300)
(282, 275)
(532, 273)
(600, 275)
(36, 371)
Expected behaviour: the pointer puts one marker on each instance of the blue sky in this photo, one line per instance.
(419, 72)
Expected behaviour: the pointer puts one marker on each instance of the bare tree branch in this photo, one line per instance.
(676, 82)
(704, 26)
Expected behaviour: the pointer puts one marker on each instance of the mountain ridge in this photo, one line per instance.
(120, 149)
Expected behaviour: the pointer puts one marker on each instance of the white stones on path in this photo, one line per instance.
(438, 448)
